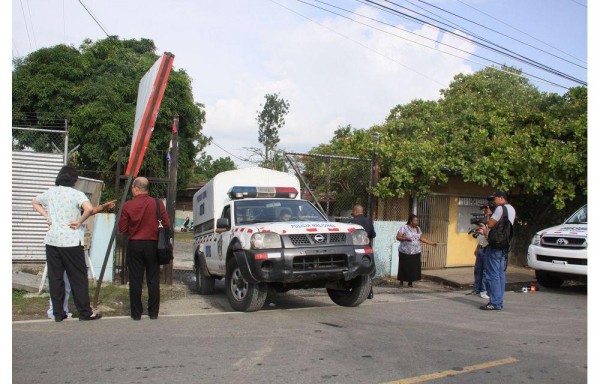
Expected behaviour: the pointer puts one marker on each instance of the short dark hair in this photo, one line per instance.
(67, 176)
(410, 218)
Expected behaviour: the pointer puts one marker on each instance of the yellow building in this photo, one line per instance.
(445, 218)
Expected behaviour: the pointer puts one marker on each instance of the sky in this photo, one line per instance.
(333, 71)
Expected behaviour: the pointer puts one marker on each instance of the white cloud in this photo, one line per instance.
(332, 74)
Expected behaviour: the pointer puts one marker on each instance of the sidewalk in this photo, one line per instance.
(462, 277)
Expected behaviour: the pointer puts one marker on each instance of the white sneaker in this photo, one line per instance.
(69, 315)
(484, 295)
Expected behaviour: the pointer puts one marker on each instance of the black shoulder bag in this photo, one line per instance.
(164, 248)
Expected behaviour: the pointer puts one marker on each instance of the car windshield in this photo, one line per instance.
(579, 217)
(275, 210)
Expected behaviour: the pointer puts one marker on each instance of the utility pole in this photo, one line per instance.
(172, 192)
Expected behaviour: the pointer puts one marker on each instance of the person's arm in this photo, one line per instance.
(103, 207)
(41, 210)
(163, 214)
(400, 236)
(87, 212)
(426, 241)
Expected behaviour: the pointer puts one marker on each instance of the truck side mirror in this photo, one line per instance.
(223, 223)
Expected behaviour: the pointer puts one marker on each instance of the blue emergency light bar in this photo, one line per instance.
(240, 192)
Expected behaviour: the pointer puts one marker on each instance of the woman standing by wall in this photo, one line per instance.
(409, 251)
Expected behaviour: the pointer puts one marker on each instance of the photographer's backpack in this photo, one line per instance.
(500, 236)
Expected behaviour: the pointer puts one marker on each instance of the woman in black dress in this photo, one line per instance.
(409, 251)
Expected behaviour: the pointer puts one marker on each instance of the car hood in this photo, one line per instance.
(579, 230)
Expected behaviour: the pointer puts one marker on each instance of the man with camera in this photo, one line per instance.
(495, 258)
(479, 287)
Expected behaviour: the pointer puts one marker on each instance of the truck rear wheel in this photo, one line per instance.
(243, 295)
(204, 285)
(547, 279)
(354, 293)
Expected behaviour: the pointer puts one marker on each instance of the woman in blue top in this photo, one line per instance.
(409, 250)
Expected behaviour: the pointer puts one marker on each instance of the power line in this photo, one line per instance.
(26, 26)
(533, 77)
(31, 21)
(507, 52)
(354, 41)
(93, 17)
(523, 32)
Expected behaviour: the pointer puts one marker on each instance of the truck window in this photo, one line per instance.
(274, 210)
(579, 217)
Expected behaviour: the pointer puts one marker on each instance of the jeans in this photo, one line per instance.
(66, 302)
(495, 279)
(479, 271)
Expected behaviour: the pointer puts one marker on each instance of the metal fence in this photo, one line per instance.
(37, 156)
(333, 183)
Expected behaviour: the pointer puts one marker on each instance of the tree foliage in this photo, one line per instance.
(346, 180)
(207, 168)
(270, 120)
(95, 87)
(493, 128)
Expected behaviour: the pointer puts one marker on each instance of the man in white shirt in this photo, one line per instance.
(495, 259)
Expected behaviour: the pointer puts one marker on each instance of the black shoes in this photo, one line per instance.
(95, 316)
(153, 317)
(59, 318)
(136, 317)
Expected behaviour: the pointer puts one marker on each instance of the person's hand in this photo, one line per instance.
(74, 224)
(110, 205)
(49, 222)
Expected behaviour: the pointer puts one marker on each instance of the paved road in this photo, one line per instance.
(427, 335)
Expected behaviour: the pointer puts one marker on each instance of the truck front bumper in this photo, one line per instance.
(557, 260)
(305, 264)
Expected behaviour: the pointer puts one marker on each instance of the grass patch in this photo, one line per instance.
(113, 300)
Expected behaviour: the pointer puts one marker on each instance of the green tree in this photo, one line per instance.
(270, 120)
(207, 168)
(95, 87)
(346, 180)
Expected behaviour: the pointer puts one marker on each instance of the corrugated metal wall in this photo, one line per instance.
(32, 174)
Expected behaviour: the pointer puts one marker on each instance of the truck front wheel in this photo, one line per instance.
(242, 295)
(354, 292)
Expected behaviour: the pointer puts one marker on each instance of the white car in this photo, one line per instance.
(560, 253)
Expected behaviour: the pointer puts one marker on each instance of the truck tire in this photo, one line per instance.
(243, 295)
(547, 279)
(204, 285)
(357, 290)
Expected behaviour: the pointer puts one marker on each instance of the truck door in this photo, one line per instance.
(221, 242)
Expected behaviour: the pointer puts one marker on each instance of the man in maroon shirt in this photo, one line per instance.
(138, 219)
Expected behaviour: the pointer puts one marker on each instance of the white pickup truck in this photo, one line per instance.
(252, 228)
(560, 253)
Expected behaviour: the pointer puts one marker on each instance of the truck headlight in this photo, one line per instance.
(264, 240)
(359, 237)
(535, 240)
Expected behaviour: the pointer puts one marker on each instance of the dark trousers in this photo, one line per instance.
(409, 267)
(71, 260)
(141, 257)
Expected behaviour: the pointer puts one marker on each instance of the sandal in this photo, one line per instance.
(489, 307)
(95, 316)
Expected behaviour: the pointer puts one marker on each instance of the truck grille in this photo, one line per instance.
(317, 239)
(320, 262)
(564, 242)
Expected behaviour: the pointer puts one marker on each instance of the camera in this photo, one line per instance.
(476, 219)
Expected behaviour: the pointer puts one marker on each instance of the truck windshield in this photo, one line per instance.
(579, 217)
(274, 210)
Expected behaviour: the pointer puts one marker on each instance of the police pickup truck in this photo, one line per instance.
(252, 229)
(560, 253)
